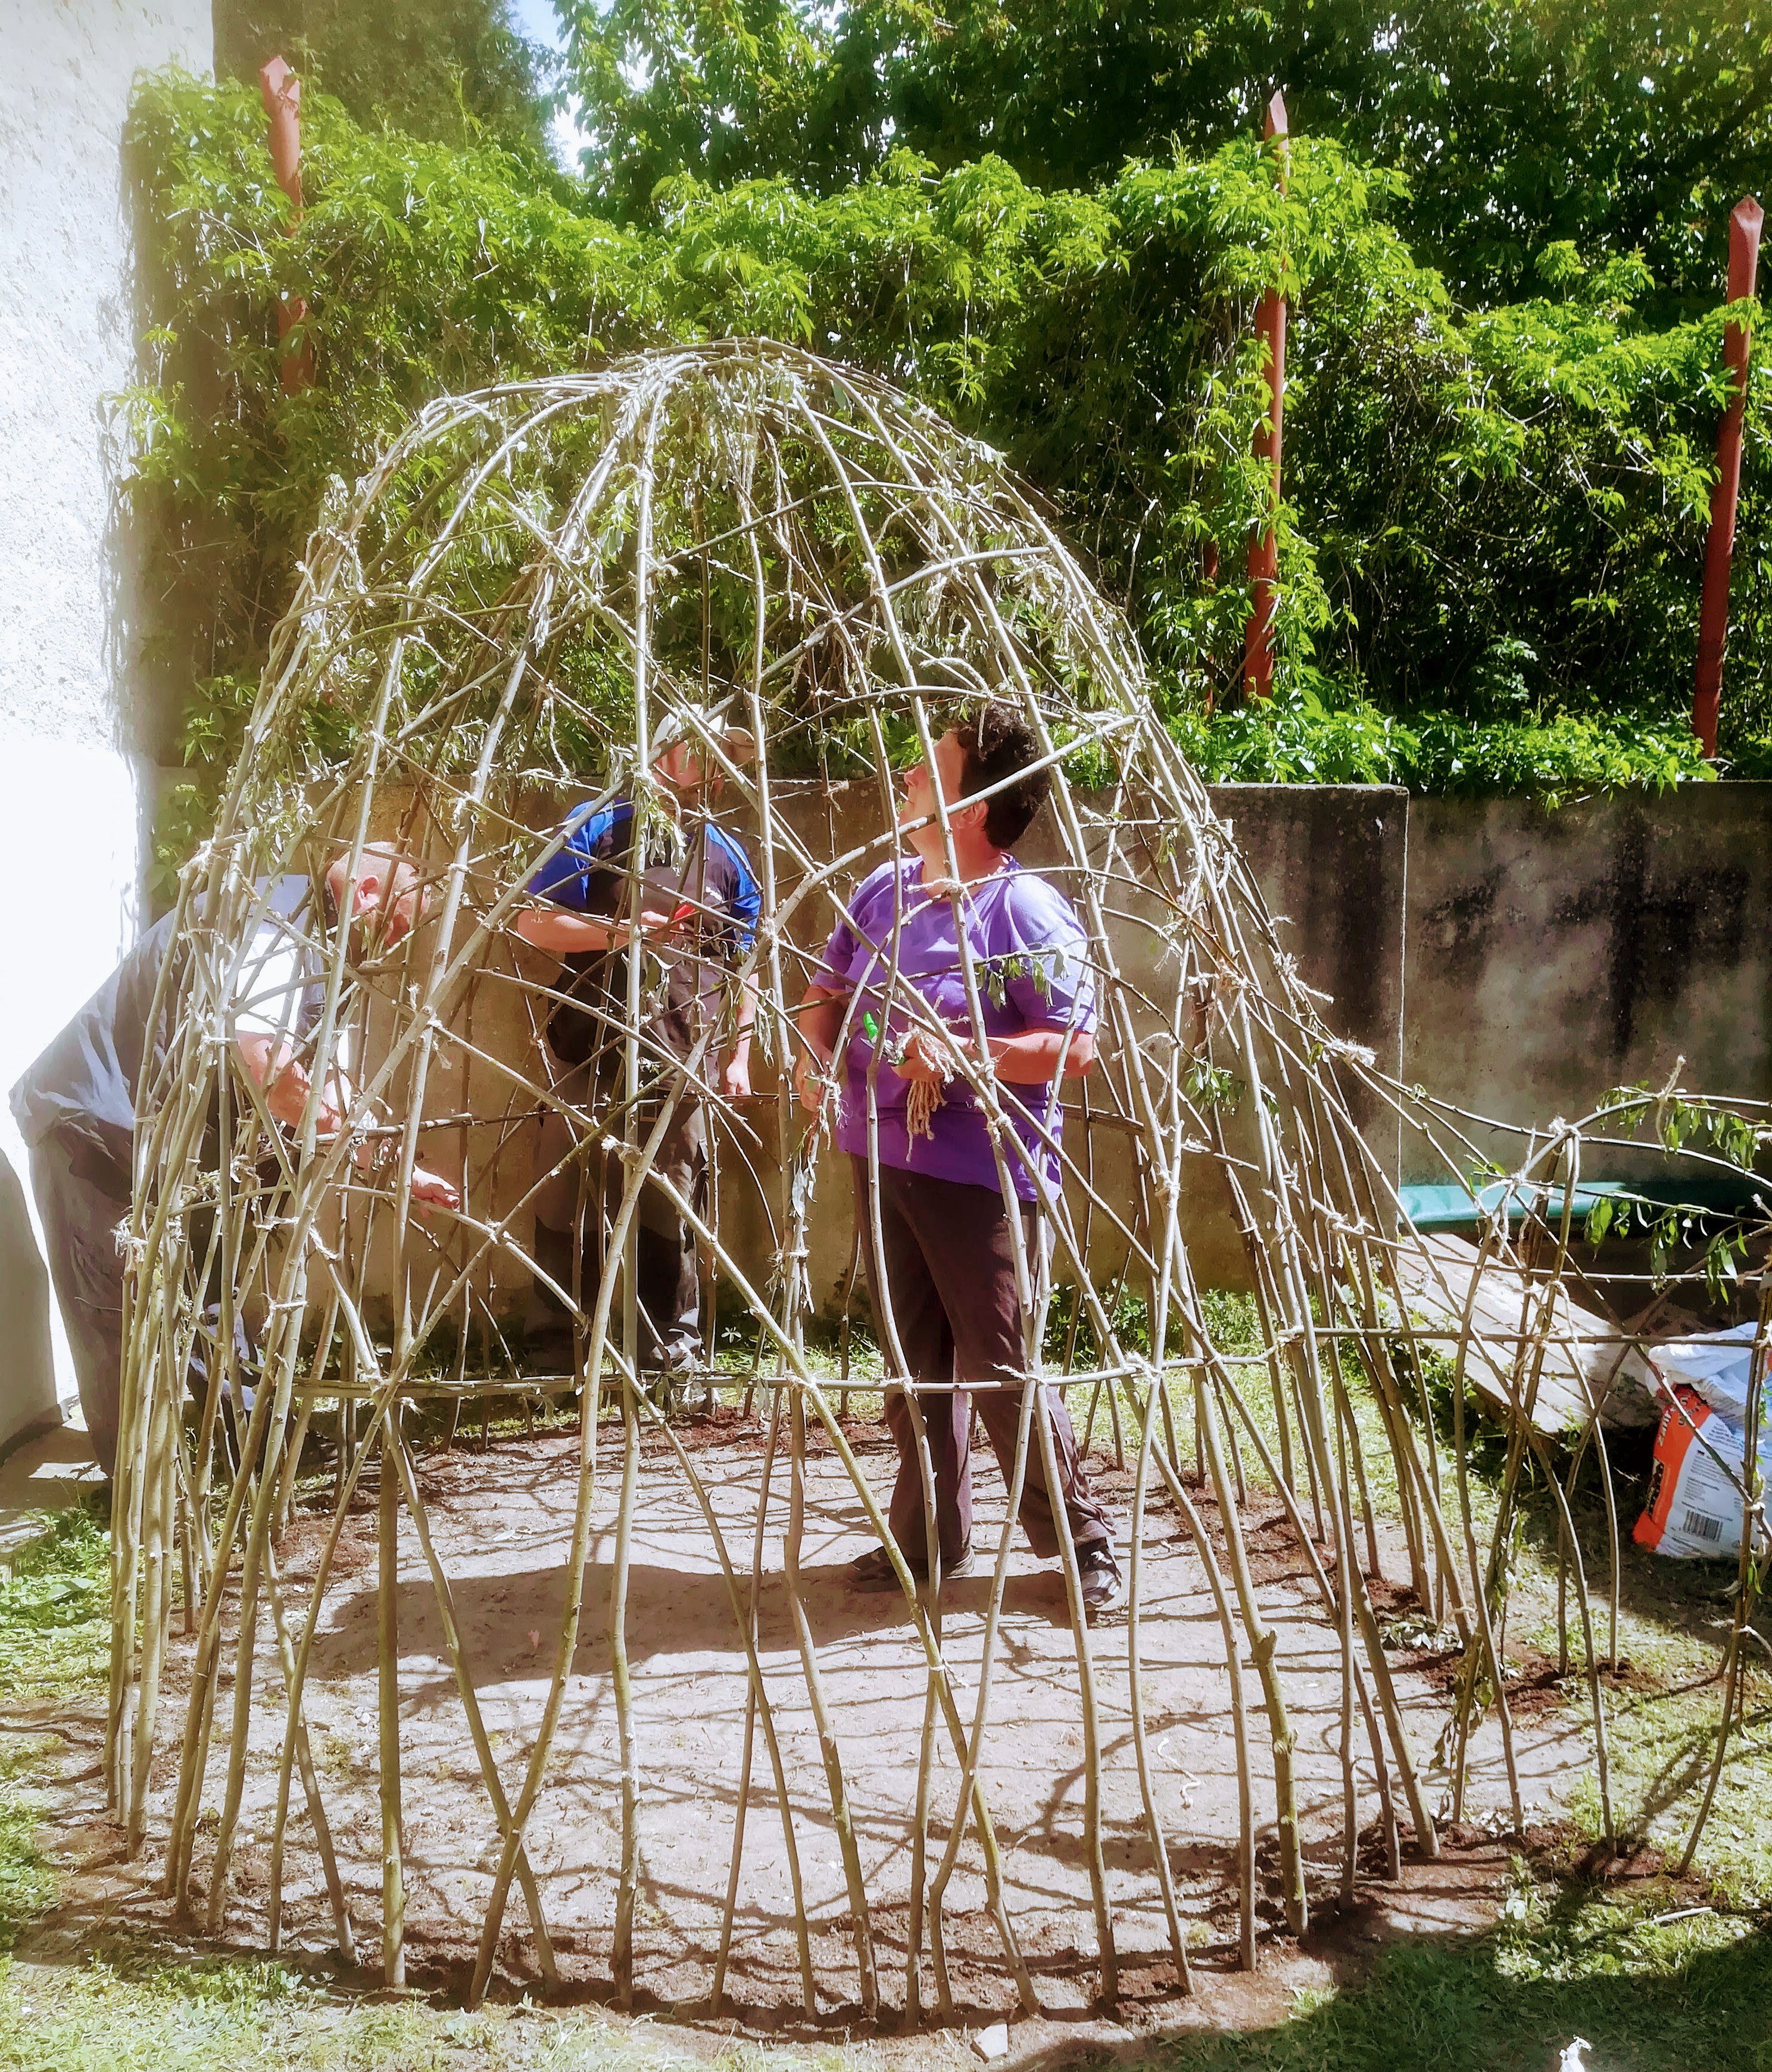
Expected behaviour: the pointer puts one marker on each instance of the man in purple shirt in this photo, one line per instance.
(891, 992)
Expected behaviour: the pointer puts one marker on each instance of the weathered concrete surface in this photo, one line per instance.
(1551, 957)
(79, 718)
(1331, 860)
(502, 1524)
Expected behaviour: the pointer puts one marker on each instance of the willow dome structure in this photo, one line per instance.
(537, 584)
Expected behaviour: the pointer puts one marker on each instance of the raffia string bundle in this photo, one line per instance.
(925, 1095)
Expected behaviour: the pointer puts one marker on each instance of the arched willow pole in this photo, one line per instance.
(497, 621)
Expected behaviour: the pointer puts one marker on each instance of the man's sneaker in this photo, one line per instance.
(1103, 1589)
(873, 1570)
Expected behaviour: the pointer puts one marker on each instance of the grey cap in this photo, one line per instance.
(696, 724)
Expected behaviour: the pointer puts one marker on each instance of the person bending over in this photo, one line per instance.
(942, 1266)
(699, 903)
(76, 1106)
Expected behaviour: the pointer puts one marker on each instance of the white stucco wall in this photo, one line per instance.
(77, 730)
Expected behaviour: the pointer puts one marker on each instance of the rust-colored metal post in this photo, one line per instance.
(1264, 548)
(1744, 258)
(281, 90)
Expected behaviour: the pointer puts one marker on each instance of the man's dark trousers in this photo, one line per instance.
(950, 1268)
(81, 1217)
(669, 1274)
(80, 1220)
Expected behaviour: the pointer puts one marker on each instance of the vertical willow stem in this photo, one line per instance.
(1747, 1588)
(1165, 1880)
(1240, 1719)
(310, 1790)
(393, 1879)
(621, 1683)
(840, 1817)
(1086, 1691)
(1262, 1641)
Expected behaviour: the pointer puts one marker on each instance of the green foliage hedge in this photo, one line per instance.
(1493, 524)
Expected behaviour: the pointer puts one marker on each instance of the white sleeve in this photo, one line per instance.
(271, 984)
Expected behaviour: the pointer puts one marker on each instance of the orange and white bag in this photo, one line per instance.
(1695, 1491)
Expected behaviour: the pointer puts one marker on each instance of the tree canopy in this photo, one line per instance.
(1622, 126)
(444, 70)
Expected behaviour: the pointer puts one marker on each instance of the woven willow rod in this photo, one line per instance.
(493, 626)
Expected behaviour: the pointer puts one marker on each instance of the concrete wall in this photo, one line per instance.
(1333, 863)
(1551, 956)
(80, 719)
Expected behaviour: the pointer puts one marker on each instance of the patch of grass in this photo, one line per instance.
(1234, 1321)
(1662, 1718)
(1691, 1995)
(174, 2017)
(227, 2017)
(1661, 1744)
(1674, 1617)
(55, 1639)
(55, 1609)
(743, 1348)
(25, 1882)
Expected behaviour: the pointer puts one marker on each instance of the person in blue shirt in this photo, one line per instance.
(699, 901)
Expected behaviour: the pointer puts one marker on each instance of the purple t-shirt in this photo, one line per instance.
(1031, 958)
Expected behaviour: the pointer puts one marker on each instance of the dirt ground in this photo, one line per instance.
(502, 1521)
